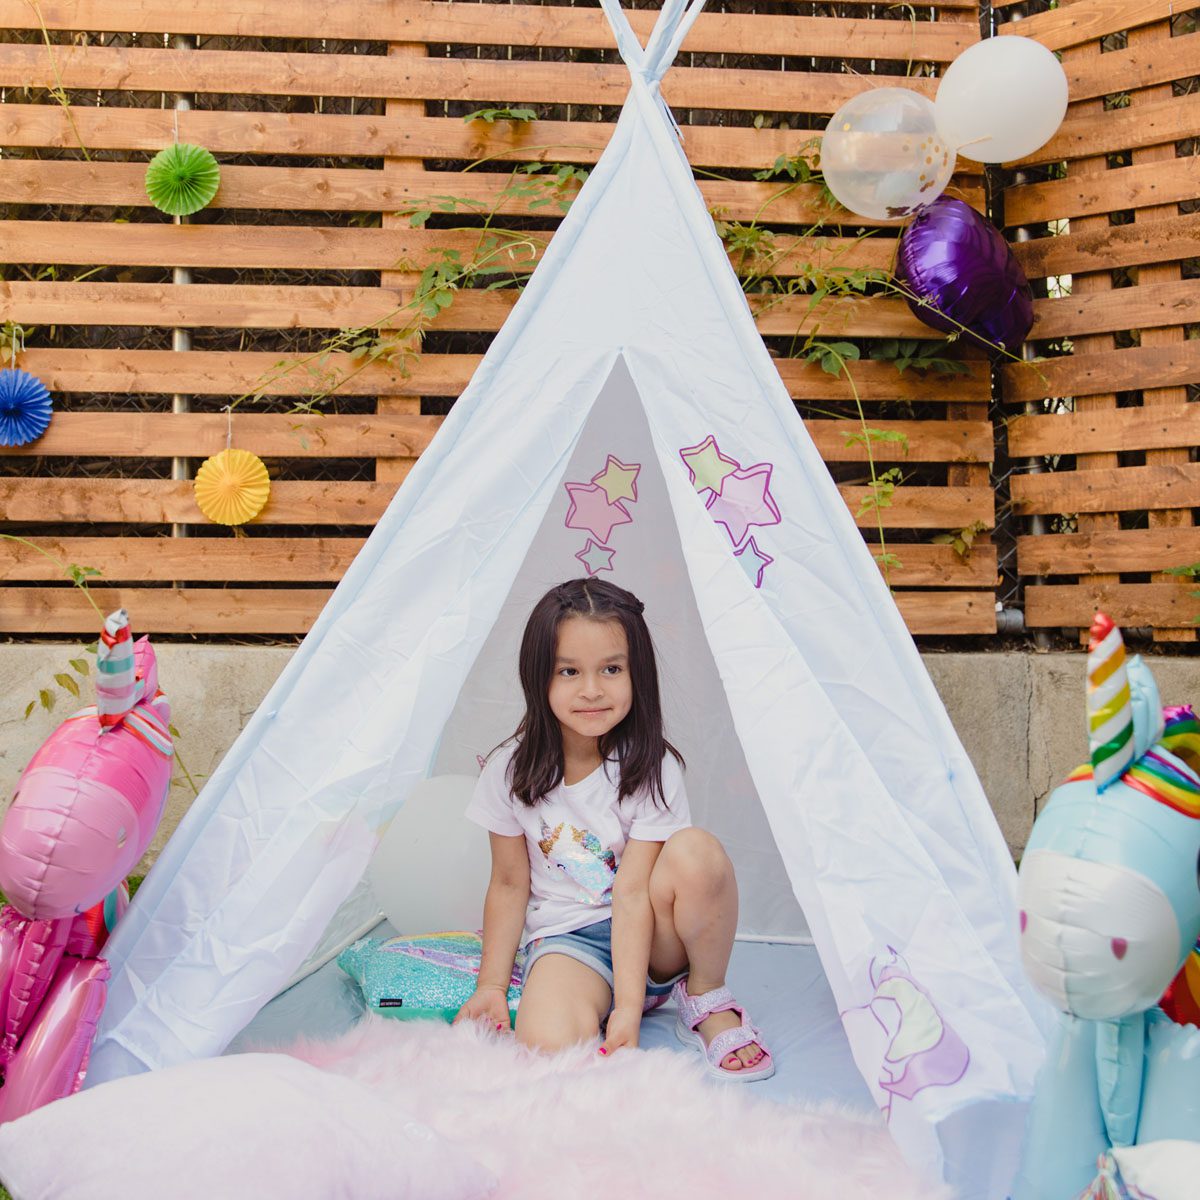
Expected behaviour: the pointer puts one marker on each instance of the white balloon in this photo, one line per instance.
(431, 868)
(881, 154)
(1001, 99)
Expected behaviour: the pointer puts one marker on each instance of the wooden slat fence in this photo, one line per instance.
(331, 123)
(1108, 428)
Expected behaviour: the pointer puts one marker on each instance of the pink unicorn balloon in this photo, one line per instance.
(91, 797)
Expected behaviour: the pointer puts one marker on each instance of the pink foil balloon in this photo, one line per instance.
(52, 1059)
(12, 930)
(36, 961)
(91, 798)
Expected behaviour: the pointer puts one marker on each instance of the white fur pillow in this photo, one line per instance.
(240, 1128)
(1166, 1170)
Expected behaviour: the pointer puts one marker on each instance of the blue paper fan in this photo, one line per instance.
(25, 407)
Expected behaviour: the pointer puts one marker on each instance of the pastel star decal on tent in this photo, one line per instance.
(708, 467)
(745, 500)
(595, 558)
(753, 561)
(591, 511)
(619, 480)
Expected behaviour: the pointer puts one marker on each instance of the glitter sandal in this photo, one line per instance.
(695, 1009)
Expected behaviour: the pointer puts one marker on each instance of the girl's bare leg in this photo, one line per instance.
(694, 895)
(562, 1003)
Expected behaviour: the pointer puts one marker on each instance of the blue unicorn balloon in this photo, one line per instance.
(1109, 894)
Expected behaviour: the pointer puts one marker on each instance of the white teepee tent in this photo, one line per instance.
(627, 419)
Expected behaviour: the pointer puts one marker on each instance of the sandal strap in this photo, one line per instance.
(694, 1009)
(732, 1040)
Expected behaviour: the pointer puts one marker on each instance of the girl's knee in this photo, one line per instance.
(697, 856)
(557, 1034)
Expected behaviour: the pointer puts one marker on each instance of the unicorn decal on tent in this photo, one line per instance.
(1110, 913)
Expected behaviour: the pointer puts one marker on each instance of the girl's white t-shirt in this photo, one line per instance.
(575, 837)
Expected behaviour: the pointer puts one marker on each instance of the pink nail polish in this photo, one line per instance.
(499, 1025)
(603, 1050)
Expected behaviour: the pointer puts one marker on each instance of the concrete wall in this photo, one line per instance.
(1020, 715)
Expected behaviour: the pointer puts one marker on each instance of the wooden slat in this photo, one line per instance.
(291, 435)
(507, 25)
(337, 135)
(164, 501)
(267, 73)
(948, 612)
(354, 189)
(1108, 246)
(1097, 374)
(220, 373)
(167, 501)
(197, 435)
(234, 373)
(1115, 190)
(1088, 20)
(267, 306)
(1148, 428)
(1134, 67)
(246, 247)
(293, 610)
(1120, 489)
(1145, 307)
(1112, 550)
(165, 559)
(1096, 133)
(319, 560)
(1129, 604)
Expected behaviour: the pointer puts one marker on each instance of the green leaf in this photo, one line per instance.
(46, 699)
(79, 666)
(67, 683)
(419, 218)
(29, 708)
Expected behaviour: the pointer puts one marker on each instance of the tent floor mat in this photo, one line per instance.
(783, 987)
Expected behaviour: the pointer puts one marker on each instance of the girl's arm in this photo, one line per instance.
(632, 929)
(503, 921)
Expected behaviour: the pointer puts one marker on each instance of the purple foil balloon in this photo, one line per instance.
(960, 263)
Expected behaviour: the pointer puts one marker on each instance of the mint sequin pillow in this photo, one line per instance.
(421, 976)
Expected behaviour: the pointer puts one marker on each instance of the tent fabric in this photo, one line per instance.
(871, 816)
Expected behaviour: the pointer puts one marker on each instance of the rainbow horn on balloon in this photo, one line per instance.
(117, 686)
(1110, 711)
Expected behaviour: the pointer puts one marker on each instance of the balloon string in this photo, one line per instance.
(228, 426)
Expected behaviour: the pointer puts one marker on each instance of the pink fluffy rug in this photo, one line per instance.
(645, 1123)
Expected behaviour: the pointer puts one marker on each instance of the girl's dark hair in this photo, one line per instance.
(637, 743)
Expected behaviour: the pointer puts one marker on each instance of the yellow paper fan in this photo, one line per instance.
(232, 487)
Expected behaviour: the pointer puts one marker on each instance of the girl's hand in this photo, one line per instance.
(488, 1004)
(624, 1028)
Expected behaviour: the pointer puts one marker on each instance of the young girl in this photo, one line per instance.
(588, 784)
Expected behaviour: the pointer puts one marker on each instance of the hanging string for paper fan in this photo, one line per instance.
(182, 179)
(25, 408)
(232, 487)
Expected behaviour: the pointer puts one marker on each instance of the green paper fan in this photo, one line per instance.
(182, 179)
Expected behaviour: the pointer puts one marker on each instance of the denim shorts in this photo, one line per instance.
(592, 946)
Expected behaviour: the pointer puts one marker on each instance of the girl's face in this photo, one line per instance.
(590, 692)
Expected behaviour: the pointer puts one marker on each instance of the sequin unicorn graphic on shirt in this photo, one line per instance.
(922, 1049)
(578, 854)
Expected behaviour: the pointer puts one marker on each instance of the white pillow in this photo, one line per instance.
(243, 1127)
